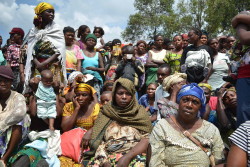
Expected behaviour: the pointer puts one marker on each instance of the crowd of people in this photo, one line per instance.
(69, 98)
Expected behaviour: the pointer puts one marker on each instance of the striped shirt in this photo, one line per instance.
(241, 138)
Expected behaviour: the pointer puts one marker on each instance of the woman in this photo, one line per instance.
(14, 121)
(74, 54)
(173, 139)
(82, 112)
(93, 63)
(46, 46)
(83, 31)
(221, 66)
(196, 58)
(204, 37)
(148, 100)
(121, 135)
(173, 58)
(142, 55)
(155, 59)
(171, 84)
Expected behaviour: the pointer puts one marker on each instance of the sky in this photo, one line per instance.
(111, 15)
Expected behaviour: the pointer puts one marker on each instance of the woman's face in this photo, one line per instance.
(48, 15)
(230, 42)
(86, 32)
(207, 93)
(141, 48)
(178, 41)
(69, 38)
(214, 44)
(90, 42)
(83, 97)
(159, 41)
(189, 107)
(192, 37)
(151, 90)
(5, 85)
(230, 99)
(204, 39)
(122, 97)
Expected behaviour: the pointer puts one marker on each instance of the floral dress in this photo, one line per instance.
(118, 140)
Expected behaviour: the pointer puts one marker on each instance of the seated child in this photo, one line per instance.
(106, 97)
(129, 67)
(46, 99)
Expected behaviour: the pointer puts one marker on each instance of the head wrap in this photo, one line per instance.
(91, 36)
(72, 76)
(205, 85)
(6, 72)
(173, 79)
(41, 7)
(84, 87)
(17, 30)
(194, 90)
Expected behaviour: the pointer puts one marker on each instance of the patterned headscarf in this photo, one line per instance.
(72, 76)
(42, 7)
(205, 85)
(173, 79)
(194, 90)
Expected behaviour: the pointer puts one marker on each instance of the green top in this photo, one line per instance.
(174, 60)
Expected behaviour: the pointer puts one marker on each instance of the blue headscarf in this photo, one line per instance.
(194, 90)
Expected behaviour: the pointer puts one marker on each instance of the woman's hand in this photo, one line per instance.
(124, 161)
(221, 92)
(75, 102)
(91, 68)
(86, 138)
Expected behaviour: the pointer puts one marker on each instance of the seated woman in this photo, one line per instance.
(14, 121)
(185, 139)
(171, 84)
(148, 100)
(82, 112)
(121, 135)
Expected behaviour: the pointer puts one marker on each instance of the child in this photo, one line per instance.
(129, 67)
(99, 32)
(106, 97)
(46, 98)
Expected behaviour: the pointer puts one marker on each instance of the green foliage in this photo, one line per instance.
(169, 18)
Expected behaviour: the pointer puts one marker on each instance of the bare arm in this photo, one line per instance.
(79, 64)
(32, 106)
(46, 62)
(243, 34)
(139, 148)
(222, 118)
(210, 68)
(150, 62)
(236, 157)
(68, 122)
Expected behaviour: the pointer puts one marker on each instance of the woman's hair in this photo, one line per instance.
(197, 31)
(177, 35)
(115, 41)
(68, 29)
(156, 36)
(141, 41)
(210, 40)
(204, 32)
(81, 30)
(153, 83)
(101, 30)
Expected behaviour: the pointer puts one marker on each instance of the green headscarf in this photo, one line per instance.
(133, 115)
(91, 36)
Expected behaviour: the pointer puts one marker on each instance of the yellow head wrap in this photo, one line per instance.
(42, 7)
(205, 85)
(84, 87)
(173, 79)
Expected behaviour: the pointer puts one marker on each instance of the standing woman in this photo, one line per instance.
(173, 58)
(93, 62)
(155, 59)
(221, 65)
(46, 46)
(83, 31)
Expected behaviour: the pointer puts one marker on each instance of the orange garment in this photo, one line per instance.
(85, 123)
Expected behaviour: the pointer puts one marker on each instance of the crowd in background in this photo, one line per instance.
(70, 98)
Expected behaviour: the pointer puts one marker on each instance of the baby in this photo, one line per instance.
(106, 97)
(46, 99)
